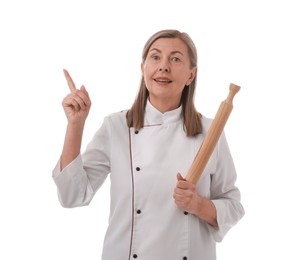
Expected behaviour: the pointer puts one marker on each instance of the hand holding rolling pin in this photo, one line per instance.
(185, 195)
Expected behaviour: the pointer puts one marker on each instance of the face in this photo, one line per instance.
(166, 71)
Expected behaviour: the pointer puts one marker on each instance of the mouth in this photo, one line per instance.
(162, 80)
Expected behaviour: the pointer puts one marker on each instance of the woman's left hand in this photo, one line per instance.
(185, 195)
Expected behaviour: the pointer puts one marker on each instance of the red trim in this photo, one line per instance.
(132, 179)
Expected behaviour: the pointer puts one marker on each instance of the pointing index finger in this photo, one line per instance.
(70, 82)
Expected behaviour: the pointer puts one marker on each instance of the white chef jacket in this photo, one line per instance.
(144, 221)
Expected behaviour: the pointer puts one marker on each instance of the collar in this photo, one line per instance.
(153, 116)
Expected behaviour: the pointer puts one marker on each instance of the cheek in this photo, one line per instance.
(142, 69)
(184, 80)
(146, 78)
(147, 69)
(148, 73)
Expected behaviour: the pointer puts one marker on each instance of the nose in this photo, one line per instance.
(164, 66)
(164, 69)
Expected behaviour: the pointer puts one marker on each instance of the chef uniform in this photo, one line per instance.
(144, 221)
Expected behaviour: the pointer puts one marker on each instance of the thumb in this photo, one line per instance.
(83, 89)
(180, 177)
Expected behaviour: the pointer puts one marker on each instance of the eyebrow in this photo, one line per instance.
(174, 52)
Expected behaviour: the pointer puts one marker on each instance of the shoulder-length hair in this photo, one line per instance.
(191, 118)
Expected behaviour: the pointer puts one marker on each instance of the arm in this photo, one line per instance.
(224, 193)
(79, 181)
(74, 188)
(186, 198)
(223, 208)
(76, 107)
(72, 144)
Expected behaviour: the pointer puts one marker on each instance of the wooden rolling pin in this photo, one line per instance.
(212, 136)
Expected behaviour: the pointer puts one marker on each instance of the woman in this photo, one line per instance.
(154, 213)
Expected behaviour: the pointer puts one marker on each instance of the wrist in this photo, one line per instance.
(199, 206)
(206, 211)
(75, 125)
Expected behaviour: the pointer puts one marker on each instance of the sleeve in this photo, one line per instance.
(224, 194)
(79, 181)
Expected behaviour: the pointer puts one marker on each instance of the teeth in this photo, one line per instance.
(163, 80)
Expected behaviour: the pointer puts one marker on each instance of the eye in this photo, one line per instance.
(175, 59)
(155, 57)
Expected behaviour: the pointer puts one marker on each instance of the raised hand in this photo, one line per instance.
(77, 104)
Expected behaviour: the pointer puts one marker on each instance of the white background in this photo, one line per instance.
(250, 43)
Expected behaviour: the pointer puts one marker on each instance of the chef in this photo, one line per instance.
(145, 151)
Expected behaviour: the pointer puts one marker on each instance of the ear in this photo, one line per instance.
(142, 69)
(192, 76)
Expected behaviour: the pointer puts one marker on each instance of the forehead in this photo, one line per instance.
(169, 45)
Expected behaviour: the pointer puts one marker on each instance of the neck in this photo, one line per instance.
(164, 105)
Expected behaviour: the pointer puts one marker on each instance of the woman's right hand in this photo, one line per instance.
(77, 104)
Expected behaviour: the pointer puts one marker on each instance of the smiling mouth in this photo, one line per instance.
(163, 81)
